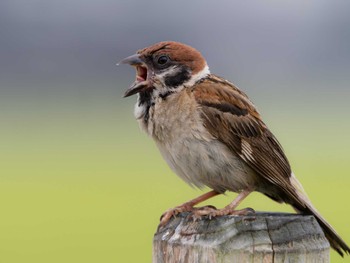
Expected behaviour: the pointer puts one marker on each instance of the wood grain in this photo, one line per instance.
(264, 237)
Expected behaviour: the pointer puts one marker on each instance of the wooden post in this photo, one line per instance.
(264, 237)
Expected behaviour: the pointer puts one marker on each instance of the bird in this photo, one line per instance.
(212, 135)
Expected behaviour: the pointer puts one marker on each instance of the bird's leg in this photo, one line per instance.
(227, 210)
(186, 207)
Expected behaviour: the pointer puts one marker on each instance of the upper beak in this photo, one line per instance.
(132, 60)
(141, 83)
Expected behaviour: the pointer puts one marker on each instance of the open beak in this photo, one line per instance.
(141, 83)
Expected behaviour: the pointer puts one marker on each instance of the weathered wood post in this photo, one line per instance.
(264, 237)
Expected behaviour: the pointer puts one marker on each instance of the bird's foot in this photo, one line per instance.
(212, 212)
(173, 212)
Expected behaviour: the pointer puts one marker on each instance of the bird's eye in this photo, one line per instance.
(162, 60)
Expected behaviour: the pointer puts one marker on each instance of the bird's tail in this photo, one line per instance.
(305, 206)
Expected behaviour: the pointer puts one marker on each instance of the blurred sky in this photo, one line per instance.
(58, 60)
(62, 111)
(54, 45)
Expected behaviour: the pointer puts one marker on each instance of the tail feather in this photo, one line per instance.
(304, 206)
(336, 242)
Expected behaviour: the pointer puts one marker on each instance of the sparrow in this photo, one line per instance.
(211, 134)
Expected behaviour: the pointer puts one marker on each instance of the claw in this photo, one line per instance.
(211, 213)
(198, 213)
(173, 212)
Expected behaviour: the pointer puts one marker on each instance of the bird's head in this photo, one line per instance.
(164, 67)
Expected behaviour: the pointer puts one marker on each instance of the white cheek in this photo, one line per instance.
(170, 71)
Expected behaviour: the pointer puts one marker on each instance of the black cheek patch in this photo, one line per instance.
(179, 78)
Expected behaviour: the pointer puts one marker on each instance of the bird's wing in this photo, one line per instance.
(231, 117)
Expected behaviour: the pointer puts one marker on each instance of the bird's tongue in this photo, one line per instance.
(141, 73)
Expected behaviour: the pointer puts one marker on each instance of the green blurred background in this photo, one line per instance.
(80, 182)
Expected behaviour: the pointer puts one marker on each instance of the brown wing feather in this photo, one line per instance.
(231, 117)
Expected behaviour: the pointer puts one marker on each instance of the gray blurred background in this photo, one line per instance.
(265, 46)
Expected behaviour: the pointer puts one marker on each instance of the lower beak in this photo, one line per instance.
(136, 87)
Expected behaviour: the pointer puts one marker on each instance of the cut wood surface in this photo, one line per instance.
(263, 237)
